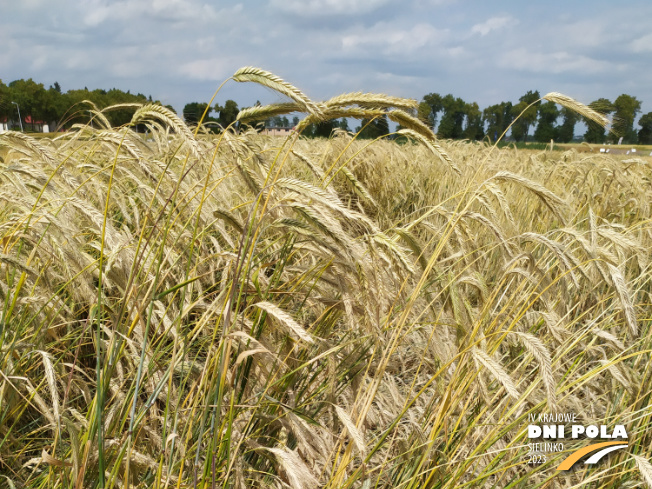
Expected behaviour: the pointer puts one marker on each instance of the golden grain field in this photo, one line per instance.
(236, 310)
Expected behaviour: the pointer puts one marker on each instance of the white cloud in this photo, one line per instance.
(456, 52)
(176, 11)
(391, 40)
(211, 69)
(493, 24)
(309, 8)
(642, 44)
(184, 47)
(556, 62)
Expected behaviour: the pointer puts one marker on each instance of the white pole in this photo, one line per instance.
(19, 118)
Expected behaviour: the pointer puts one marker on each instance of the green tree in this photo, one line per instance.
(452, 122)
(5, 102)
(55, 106)
(595, 133)
(430, 106)
(275, 121)
(645, 133)
(341, 124)
(194, 111)
(378, 127)
(30, 97)
(525, 114)
(323, 129)
(566, 131)
(626, 108)
(497, 117)
(474, 129)
(123, 115)
(227, 113)
(548, 114)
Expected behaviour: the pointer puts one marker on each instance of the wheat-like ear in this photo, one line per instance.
(267, 79)
(371, 101)
(411, 122)
(580, 108)
(625, 300)
(27, 145)
(118, 138)
(318, 172)
(558, 250)
(353, 430)
(496, 370)
(554, 203)
(502, 201)
(432, 146)
(541, 354)
(419, 131)
(337, 113)
(98, 116)
(50, 376)
(645, 468)
(126, 105)
(165, 115)
(298, 474)
(259, 112)
(285, 319)
(357, 185)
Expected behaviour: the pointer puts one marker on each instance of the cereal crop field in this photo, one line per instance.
(237, 310)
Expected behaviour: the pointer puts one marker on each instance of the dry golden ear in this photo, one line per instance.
(578, 107)
(265, 78)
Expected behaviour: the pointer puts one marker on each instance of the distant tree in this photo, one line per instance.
(115, 96)
(344, 124)
(275, 121)
(228, 113)
(430, 106)
(378, 127)
(5, 103)
(645, 133)
(525, 114)
(548, 114)
(194, 111)
(626, 107)
(497, 117)
(595, 133)
(170, 108)
(31, 97)
(323, 129)
(61, 110)
(295, 121)
(452, 122)
(566, 131)
(474, 129)
(55, 107)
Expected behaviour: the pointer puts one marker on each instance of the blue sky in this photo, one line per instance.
(181, 50)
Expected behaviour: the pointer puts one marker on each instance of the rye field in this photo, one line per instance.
(192, 310)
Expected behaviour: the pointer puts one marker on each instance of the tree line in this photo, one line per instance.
(59, 109)
(454, 118)
(449, 116)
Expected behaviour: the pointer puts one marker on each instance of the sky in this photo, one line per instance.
(180, 51)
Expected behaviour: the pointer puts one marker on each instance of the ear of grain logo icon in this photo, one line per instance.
(600, 449)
